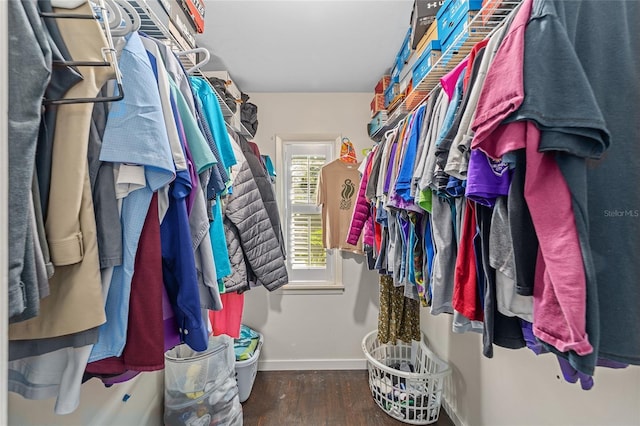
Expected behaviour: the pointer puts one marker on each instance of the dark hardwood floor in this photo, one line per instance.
(315, 398)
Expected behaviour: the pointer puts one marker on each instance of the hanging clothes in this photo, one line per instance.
(337, 207)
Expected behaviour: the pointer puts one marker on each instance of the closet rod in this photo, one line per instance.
(81, 64)
(67, 15)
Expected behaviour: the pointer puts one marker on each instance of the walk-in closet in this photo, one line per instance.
(319, 212)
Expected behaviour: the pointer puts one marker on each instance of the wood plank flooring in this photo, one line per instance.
(316, 398)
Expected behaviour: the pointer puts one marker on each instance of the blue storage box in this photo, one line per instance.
(390, 93)
(395, 72)
(427, 59)
(463, 29)
(405, 50)
(451, 14)
(377, 122)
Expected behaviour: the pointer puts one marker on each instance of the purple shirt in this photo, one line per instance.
(487, 179)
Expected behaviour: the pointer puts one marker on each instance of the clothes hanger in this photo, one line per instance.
(130, 19)
(107, 51)
(348, 152)
(113, 12)
(196, 67)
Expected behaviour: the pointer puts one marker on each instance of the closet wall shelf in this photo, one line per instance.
(153, 26)
(481, 26)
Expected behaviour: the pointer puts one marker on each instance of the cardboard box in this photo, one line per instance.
(382, 84)
(414, 98)
(195, 10)
(377, 104)
(405, 49)
(171, 15)
(395, 102)
(430, 35)
(460, 33)
(377, 123)
(451, 14)
(408, 68)
(391, 93)
(423, 15)
(405, 84)
(427, 59)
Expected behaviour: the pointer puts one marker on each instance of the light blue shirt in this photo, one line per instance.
(135, 134)
(403, 182)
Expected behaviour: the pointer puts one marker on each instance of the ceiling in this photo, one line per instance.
(304, 45)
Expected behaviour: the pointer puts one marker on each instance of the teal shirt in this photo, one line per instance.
(213, 115)
(202, 156)
(219, 242)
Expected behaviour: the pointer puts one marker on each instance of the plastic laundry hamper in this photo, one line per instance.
(200, 387)
(246, 373)
(411, 397)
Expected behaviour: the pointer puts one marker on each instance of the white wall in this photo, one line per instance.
(319, 330)
(517, 388)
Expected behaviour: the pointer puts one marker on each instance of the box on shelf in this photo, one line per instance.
(460, 33)
(451, 14)
(405, 50)
(395, 72)
(405, 84)
(395, 102)
(391, 93)
(423, 15)
(408, 68)
(195, 10)
(377, 123)
(414, 98)
(430, 35)
(426, 61)
(173, 17)
(377, 104)
(382, 85)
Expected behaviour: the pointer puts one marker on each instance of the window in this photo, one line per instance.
(308, 263)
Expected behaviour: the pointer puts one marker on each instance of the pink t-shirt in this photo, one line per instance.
(449, 81)
(229, 319)
(560, 283)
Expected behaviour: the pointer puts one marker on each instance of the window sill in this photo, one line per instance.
(311, 289)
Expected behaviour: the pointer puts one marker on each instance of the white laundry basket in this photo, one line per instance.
(411, 397)
(246, 372)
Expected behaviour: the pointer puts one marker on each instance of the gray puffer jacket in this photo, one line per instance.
(238, 280)
(245, 211)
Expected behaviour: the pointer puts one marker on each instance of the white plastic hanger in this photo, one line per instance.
(114, 14)
(196, 67)
(130, 19)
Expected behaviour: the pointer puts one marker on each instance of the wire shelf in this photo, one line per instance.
(480, 26)
(153, 26)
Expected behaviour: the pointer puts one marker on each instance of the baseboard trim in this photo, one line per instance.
(312, 364)
(451, 413)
